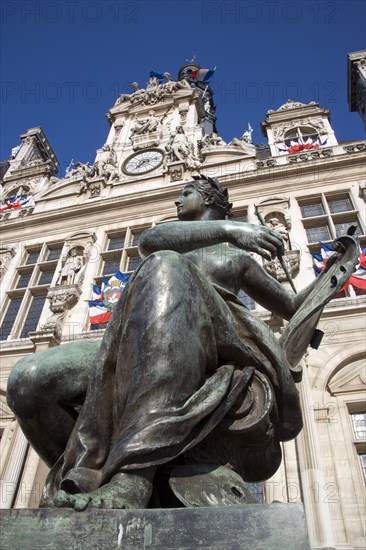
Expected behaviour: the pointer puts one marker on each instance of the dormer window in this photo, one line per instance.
(299, 139)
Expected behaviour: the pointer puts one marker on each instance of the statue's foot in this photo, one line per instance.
(125, 490)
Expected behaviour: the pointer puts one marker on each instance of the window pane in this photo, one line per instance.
(133, 263)
(9, 318)
(247, 300)
(116, 242)
(339, 205)
(111, 265)
(135, 238)
(24, 280)
(363, 465)
(33, 316)
(359, 425)
(33, 257)
(309, 210)
(316, 234)
(54, 254)
(342, 228)
(46, 278)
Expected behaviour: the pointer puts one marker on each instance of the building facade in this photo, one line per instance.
(63, 238)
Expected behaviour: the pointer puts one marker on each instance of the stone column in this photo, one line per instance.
(312, 476)
(13, 464)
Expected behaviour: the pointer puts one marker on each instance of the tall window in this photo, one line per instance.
(328, 216)
(25, 300)
(359, 438)
(121, 253)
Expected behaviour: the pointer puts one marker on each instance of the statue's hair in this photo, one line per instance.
(207, 187)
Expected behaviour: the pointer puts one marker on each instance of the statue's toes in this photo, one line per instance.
(81, 502)
(64, 500)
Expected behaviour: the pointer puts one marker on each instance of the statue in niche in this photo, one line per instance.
(71, 269)
(276, 225)
(149, 402)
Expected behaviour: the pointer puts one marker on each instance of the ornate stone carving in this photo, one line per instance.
(146, 125)
(155, 91)
(93, 178)
(35, 155)
(6, 254)
(290, 104)
(183, 112)
(309, 155)
(280, 130)
(94, 189)
(72, 267)
(292, 261)
(275, 224)
(176, 172)
(212, 140)
(355, 147)
(269, 163)
(61, 300)
(244, 143)
(181, 149)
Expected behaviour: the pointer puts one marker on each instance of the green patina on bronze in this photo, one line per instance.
(185, 373)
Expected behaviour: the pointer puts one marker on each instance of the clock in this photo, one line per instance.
(143, 162)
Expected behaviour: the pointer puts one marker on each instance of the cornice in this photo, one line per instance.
(292, 178)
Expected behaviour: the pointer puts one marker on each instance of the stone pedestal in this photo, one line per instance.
(250, 527)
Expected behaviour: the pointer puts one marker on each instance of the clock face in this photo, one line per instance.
(140, 163)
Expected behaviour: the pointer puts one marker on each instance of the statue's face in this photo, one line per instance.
(190, 204)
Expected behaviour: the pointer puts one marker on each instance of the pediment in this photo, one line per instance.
(350, 378)
(59, 190)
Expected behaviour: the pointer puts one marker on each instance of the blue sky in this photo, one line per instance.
(64, 62)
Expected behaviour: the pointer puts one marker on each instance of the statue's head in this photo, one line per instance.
(210, 188)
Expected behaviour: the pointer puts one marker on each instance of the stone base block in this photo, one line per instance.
(250, 527)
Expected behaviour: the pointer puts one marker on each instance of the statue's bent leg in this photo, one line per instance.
(166, 349)
(43, 389)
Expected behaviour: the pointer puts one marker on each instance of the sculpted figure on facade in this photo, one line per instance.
(71, 269)
(81, 169)
(245, 142)
(213, 139)
(155, 91)
(178, 144)
(133, 97)
(181, 149)
(276, 225)
(149, 401)
(106, 165)
(147, 125)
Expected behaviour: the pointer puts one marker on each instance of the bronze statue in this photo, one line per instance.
(184, 372)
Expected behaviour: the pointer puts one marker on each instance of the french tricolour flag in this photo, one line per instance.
(98, 313)
(357, 279)
(203, 75)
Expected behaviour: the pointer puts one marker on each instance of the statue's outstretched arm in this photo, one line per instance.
(187, 236)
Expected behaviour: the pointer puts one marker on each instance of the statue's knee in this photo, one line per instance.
(167, 258)
(23, 386)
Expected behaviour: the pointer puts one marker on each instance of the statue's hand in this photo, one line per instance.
(256, 238)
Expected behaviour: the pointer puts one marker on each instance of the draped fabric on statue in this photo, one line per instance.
(163, 378)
